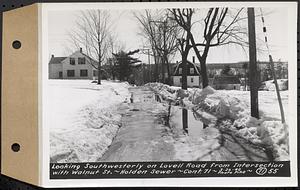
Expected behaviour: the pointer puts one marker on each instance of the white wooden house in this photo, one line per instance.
(76, 66)
(193, 75)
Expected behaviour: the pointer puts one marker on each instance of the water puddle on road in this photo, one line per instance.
(192, 126)
(182, 119)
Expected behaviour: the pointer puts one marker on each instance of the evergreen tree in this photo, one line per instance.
(124, 64)
(226, 70)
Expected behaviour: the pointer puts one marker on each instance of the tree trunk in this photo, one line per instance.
(203, 72)
(184, 71)
(168, 71)
(156, 68)
(164, 54)
(99, 72)
(113, 70)
(113, 74)
(99, 63)
(245, 80)
(163, 70)
(202, 60)
(184, 86)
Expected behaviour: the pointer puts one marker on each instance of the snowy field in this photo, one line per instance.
(82, 119)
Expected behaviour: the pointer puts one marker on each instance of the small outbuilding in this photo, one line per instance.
(226, 82)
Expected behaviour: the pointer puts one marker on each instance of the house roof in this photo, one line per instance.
(195, 66)
(226, 79)
(56, 60)
(91, 59)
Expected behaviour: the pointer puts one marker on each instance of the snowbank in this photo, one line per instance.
(228, 112)
(270, 85)
(166, 91)
(83, 118)
(269, 133)
(267, 100)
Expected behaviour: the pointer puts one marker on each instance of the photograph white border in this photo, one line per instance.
(166, 182)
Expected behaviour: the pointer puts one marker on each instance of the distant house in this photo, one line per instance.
(239, 68)
(226, 82)
(193, 75)
(76, 66)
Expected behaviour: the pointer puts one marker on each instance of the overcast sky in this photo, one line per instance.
(126, 28)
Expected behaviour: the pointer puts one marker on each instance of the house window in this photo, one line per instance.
(192, 70)
(70, 73)
(84, 73)
(72, 61)
(192, 80)
(180, 80)
(60, 74)
(180, 71)
(81, 60)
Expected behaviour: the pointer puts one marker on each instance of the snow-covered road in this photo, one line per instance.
(142, 135)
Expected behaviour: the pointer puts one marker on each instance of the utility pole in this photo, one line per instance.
(277, 89)
(253, 73)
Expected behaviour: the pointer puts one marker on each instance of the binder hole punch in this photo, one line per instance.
(15, 147)
(16, 44)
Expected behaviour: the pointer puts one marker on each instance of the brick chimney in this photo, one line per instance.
(52, 56)
(80, 50)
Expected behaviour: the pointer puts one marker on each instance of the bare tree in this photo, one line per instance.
(92, 34)
(149, 32)
(114, 46)
(162, 35)
(184, 48)
(220, 27)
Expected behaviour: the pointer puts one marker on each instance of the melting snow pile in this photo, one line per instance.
(216, 108)
(166, 91)
(270, 85)
(82, 128)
